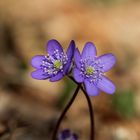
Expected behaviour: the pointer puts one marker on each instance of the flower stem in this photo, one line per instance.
(64, 112)
(92, 125)
(92, 133)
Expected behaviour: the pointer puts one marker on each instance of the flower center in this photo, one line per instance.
(57, 64)
(89, 70)
(52, 64)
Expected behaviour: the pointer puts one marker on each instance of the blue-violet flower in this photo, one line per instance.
(67, 135)
(56, 64)
(90, 70)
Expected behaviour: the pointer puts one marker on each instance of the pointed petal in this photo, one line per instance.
(106, 85)
(70, 51)
(107, 60)
(77, 76)
(70, 54)
(89, 51)
(91, 89)
(37, 61)
(77, 58)
(57, 77)
(53, 45)
(39, 74)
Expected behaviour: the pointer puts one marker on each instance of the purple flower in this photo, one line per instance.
(90, 70)
(67, 135)
(56, 64)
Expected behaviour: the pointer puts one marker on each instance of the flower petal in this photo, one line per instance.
(70, 51)
(65, 134)
(107, 60)
(66, 68)
(91, 89)
(77, 76)
(70, 54)
(39, 74)
(89, 51)
(57, 77)
(52, 46)
(106, 85)
(77, 58)
(37, 61)
(75, 137)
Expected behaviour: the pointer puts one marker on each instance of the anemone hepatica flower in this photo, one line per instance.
(90, 70)
(67, 135)
(56, 64)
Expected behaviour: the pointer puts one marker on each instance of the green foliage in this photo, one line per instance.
(123, 102)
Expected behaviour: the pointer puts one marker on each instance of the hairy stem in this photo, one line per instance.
(92, 133)
(64, 112)
(92, 127)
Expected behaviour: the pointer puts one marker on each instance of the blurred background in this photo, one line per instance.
(29, 108)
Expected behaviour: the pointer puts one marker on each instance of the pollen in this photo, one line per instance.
(57, 64)
(90, 70)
